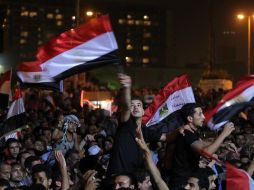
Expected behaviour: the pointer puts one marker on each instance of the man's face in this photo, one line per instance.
(72, 127)
(17, 173)
(240, 140)
(123, 181)
(146, 184)
(39, 146)
(14, 149)
(198, 117)
(192, 184)
(137, 108)
(212, 184)
(5, 172)
(41, 178)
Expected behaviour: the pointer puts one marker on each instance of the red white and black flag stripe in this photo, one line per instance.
(170, 99)
(90, 45)
(17, 106)
(232, 103)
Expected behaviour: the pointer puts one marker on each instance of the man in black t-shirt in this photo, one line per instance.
(126, 154)
(189, 147)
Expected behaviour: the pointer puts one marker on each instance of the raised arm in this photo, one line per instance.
(155, 173)
(250, 170)
(125, 81)
(63, 169)
(213, 147)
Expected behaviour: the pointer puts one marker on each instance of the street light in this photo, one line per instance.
(241, 17)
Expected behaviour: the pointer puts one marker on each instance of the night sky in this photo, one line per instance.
(191, 28)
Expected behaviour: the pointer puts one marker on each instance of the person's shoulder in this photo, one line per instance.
(190, 137)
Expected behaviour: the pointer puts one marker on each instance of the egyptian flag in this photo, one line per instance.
(17, 106)
(88, 46)
(232, 103)
(170, 99)
(237, 179)
(5, 82)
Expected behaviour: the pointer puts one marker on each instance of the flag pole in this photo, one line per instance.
(75, 77)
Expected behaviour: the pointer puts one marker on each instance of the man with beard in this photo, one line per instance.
(17, 175)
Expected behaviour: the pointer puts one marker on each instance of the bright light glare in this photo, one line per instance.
(89, 13)
(240, 16)
(146, 17)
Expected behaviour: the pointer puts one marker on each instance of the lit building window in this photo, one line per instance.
(147, 35)
(24, 34)
(8, 12)
(130, 22)
(145, 48)
(138, 22)
(50, 16)
(129, 16)
(22, 41)
(129, 47)
(33, 14)
(145, 60)
(128, 59)
(121, 21)
(59, 23)
(147, 23)
(59, 17)
(146, 17)
(24, 13)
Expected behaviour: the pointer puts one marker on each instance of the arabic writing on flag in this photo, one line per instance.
(170, 99)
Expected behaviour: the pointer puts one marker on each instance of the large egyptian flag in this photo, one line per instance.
(90, 45)
(170, 99)
(232, 103)
(237, 179)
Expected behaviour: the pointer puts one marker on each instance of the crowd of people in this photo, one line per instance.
(64, 146)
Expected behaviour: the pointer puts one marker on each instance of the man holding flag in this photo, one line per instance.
(190, 147)
(127, 155)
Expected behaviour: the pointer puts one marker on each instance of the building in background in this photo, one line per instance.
(140, 28)
(29, 24)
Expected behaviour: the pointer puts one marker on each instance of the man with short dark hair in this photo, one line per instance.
(17, 175)
(126, 155)
(125, 180)
(13, 148)
(42, 175)
(198, 180)
(189, 147)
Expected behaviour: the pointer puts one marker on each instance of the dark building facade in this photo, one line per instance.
(29, 24)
